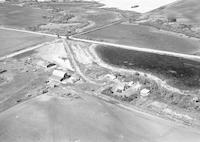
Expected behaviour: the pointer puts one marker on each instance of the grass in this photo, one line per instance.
(21, 17)
(180, 17)
(51, 118)
(144, 37)
(87, 11)
(13, 41)
(103, 17)
(70, 5)
(187, 10)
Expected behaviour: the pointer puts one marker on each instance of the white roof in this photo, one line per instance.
(144, 92)
(59, 73)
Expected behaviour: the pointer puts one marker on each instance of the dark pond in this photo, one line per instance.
(179, 72)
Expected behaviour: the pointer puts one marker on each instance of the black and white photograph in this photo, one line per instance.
(99, 71)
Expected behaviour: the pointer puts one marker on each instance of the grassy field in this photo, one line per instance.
(85, 15)
(103, 17)
(180, 17)
(87, 11)
(144, 37)
(71, 5)
(87, 119)
(186, 11)
(13, 41)
(21, 17)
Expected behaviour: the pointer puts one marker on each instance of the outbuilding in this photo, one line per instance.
(144, 92)
(58, 75)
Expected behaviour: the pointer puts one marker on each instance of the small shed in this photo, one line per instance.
(73, 79)
(58, 75)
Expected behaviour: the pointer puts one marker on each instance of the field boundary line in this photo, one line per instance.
(26, 50)
(30, 32)
(160, 52)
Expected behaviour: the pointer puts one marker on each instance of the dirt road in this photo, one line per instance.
(76, 66)
(193, 57)
(26, 31)
(110, 44)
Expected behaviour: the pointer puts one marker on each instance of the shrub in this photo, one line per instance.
(107, 91)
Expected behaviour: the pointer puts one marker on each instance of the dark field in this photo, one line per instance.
(179, 72)
(144, 37)
(21, 17)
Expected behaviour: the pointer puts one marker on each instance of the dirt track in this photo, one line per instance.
(194, 57)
